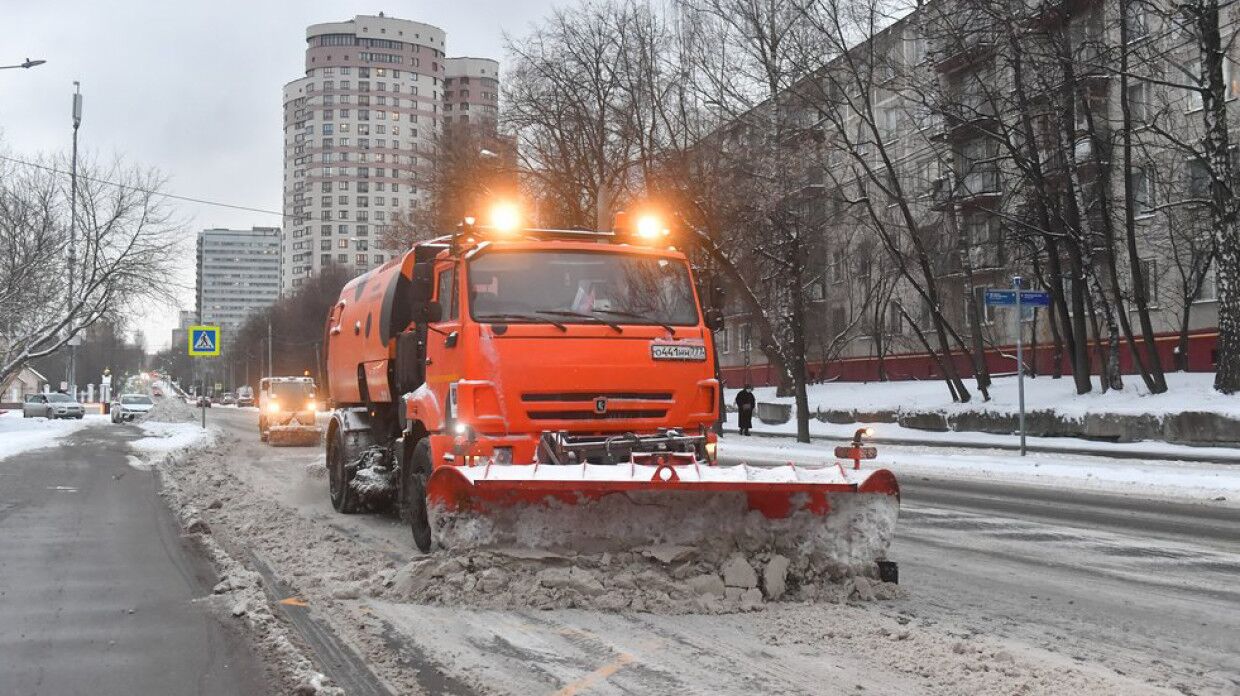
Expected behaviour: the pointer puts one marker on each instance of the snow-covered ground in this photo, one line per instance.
(1163, 478)
(19, 434)
(1186, 392)
(170, 438)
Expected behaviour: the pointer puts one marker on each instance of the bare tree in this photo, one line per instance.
(127, 244)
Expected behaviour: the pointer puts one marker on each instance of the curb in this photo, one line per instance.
(1037, 448)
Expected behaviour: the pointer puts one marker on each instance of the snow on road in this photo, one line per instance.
(1178, 479)
(19, 434)
(270, 501)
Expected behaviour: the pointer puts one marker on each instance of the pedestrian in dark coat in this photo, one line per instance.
(744, 409)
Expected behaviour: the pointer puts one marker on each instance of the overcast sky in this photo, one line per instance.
(192, 87)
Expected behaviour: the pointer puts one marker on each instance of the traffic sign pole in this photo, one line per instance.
(1020, 362)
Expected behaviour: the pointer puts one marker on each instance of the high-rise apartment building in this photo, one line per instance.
(471, 92)
(238, 273)
(359, 138)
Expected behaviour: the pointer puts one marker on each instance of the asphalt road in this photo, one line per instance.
(97, 587)
(1147, 586)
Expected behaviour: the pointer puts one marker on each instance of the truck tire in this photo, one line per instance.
(344, 498)
(413, 479)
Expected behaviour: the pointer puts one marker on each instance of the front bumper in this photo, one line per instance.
(562, 447)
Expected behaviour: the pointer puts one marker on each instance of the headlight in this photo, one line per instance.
(712, 449)
(273, 407)
(461, 428)
(312, 406)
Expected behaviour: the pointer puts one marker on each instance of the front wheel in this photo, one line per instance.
(344, 498)
(413, 477)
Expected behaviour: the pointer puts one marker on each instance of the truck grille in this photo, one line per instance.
(591, 396)
(591, 415)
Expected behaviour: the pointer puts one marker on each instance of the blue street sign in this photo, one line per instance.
(1000, 298)
(1007, 298)
(1035, 298)
(204, 341)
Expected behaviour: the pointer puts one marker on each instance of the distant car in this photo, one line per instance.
(245, 396)
(228, 399)
(204, 402)
(54, 405)
(126, 407)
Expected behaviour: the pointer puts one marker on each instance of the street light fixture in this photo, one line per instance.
(28, 64)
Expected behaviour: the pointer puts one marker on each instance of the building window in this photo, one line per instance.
(1142, 191)
(325, 245)
(1137, 105)
(1208, 292)
(895, 322)
(1149, 270)
(1137, 21)
(342, 243)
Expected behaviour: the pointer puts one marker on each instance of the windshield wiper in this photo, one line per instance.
(583, 315)
(521, 317)
(634, 315)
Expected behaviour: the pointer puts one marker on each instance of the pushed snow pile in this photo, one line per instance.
(704, 554)
(170, 410)
(664, 579)
(847, 541)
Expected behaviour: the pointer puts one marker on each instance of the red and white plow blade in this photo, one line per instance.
(839, 520)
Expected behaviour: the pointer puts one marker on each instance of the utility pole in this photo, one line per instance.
(71, 372)
(269, 370)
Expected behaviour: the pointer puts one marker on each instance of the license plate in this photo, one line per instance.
(678, 351)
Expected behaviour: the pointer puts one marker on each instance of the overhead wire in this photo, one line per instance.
(152, 192)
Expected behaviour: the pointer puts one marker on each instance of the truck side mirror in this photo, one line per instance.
(714, 319)
(433, 312)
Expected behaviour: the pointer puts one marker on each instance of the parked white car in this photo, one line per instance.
(126, 407)
(54, 405)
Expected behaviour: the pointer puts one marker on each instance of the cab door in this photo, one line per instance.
(444, 352)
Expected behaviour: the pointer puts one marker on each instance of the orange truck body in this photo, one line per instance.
(512, 381)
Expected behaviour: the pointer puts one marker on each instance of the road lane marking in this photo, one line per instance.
(293, 602)
(67, 489)
(597, 675)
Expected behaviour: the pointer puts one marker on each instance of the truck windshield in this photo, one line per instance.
(292, 391)
(581, 287)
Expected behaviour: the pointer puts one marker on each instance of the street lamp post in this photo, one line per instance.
(28, 64)
(71, 376)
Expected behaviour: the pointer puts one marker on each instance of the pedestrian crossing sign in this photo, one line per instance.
(204, 341)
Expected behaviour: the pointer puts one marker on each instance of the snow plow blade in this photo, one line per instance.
(294, 436)
(841, 518)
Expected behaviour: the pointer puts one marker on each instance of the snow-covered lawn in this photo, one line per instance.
(894, 433)
(1138, 475)
(19, 434)
(1186, 392)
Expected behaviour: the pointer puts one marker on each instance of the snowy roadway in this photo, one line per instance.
(1013, 576)
(1049, 575)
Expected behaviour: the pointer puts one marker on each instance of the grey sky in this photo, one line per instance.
(192, 88)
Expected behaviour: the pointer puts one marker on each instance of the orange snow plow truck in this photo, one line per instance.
(557, 389)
